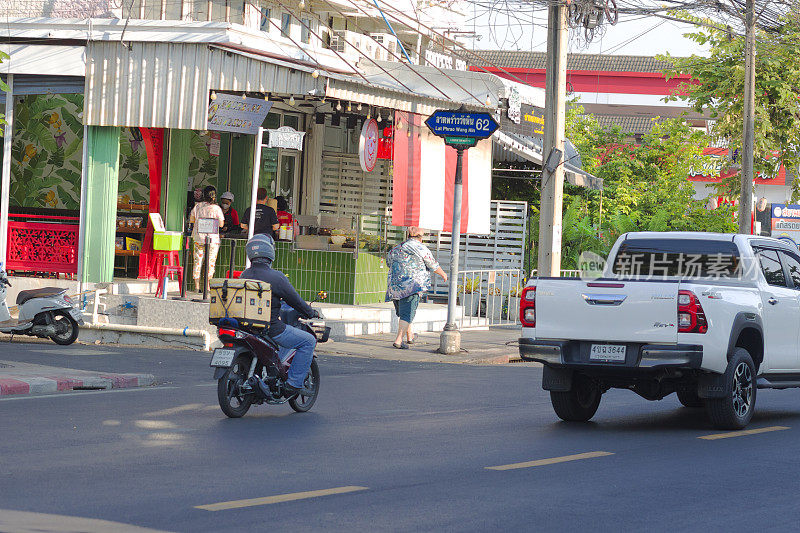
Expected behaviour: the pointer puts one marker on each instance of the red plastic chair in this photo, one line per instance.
(168, 270)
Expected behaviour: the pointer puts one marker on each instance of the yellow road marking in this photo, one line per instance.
(551, 461)
(742, 433)
(238, 504)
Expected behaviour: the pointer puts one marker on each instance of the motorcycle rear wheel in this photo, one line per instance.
(232, 404)
(68, 326)
(301, 403)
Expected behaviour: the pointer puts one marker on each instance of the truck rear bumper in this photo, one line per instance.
(638, 356)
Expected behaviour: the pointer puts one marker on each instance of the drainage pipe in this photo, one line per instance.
(154, 330)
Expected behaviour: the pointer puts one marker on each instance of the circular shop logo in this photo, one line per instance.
(368, 145)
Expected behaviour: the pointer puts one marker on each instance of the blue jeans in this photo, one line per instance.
(304, 342)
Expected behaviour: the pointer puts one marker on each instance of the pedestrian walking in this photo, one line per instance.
(206, 210)
(410, 265)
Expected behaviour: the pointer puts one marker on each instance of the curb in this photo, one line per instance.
(17, 385)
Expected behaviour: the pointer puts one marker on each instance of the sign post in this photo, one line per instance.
(461, 130)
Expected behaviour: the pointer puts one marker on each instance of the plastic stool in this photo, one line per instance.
(163, 272)
(173, 258)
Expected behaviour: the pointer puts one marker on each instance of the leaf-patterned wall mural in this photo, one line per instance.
(48, 147)
(46, 152)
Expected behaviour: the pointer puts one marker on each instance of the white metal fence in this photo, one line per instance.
(489, 297)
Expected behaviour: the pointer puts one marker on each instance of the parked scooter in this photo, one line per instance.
(47, 313)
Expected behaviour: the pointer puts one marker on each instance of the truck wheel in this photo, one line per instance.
(689, 398)
(735, 409)
(579, 404)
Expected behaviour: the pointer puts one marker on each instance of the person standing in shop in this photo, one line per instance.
(202, 214)
(266, 219)
(231, 215)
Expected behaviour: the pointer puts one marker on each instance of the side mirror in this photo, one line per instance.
(322, 295)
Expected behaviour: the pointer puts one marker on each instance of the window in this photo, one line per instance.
(771, 267)
(265, 15)
(685, 258)
(305, 32)
(286, 24)
(793, 266)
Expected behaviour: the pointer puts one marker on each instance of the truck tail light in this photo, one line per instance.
(527, 307)
(691, 317)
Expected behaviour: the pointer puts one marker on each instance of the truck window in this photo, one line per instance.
(686, 258)
(793, 266)
(771, 267)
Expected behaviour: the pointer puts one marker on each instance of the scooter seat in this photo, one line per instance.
(44, 292)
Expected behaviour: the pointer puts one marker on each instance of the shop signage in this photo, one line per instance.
(286, 137)
(462, 124)
(514, 106)
(368, 145)
(228, 112)
(437, 59)
(213, 143)
(786, 222)
(530, 123)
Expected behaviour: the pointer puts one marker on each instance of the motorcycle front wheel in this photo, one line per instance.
(301, 403)
(231, 400)
(66, 328)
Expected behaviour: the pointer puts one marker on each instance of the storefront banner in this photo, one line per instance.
(285, 137)
(214, 141)
(719, 168)
(228, 112)
(424, 179)
(786, 222)
(368, 145)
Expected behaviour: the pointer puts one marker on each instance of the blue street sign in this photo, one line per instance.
(462, 124)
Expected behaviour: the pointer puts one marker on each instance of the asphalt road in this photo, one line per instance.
(391, 447)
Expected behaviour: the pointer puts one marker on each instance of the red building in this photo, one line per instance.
(628, 91)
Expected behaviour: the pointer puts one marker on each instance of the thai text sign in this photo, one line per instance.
(462, 124)
(786, 222)
(233, 113)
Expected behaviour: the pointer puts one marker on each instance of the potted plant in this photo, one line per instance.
(469, 296)
(494, 305)
(512, 310)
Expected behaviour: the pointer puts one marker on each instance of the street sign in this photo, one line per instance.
(460, 142)
(462, 124)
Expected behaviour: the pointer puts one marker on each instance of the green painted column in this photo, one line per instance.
(242, 170)
(102, 178)
(177, 179)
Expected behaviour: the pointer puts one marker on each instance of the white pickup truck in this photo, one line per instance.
(712, 317)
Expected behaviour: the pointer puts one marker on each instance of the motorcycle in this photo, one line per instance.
(251, 368)
(46, 313)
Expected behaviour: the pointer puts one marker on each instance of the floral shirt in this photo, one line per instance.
(410, 265)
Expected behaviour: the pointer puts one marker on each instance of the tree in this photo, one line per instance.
(717, 87)
(645, 186)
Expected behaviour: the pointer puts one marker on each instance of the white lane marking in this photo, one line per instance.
(174, 410)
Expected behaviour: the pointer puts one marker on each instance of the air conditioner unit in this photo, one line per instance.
(352, 44)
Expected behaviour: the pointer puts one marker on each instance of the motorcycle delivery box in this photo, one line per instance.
(246, 300)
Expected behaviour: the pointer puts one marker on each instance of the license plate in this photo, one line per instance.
(222, 357)
(608, 352)
(77, 314)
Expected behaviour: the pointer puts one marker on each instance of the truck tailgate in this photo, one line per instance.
(628, 311)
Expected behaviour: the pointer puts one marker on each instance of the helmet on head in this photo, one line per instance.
(260, 247)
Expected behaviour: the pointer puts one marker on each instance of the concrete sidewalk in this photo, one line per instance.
(26, 378)
(478, 347)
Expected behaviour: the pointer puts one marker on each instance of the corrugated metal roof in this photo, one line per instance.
(166, 85)
(594, 62)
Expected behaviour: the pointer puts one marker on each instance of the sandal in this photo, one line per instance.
(401, 346)
(413, 339)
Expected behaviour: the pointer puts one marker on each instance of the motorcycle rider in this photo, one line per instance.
(261, 253)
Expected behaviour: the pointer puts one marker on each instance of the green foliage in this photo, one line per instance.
(717, 87)
(4, 88)
(645, 188)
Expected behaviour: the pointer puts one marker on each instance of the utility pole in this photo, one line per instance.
(746, 201)
(554, 123)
